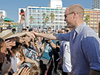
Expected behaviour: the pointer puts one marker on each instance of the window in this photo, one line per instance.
(98, 14)
(87, 13)
(91, 23)
(92, 27)
(39, 11)
(95, 28)
(91, 20)
(52, 11)
(91, 17)
(29, 10)
(47, 11)
(91, 13)
(95, 23)
(95, 13)
(56, 27)
(33, 10)
(60, 26)
(61, 12)
(61, 15)
(34, 14)
(56, 12)
(98, 17)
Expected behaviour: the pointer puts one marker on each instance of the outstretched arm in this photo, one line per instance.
(31, 61)
(48, 36)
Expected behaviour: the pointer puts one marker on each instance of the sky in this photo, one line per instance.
(12, 6)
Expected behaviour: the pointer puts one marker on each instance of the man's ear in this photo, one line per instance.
(74, 16)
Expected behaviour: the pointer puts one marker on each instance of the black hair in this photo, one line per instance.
(21, 10)
(24, 29)
(70, 27)
(49, 27)
(1, 41)
(63, 29)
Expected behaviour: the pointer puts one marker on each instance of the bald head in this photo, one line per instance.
(76, 8)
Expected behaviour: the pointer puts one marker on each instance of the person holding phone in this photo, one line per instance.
(22, 23)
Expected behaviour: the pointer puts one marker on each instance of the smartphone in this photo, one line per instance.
(25, 66)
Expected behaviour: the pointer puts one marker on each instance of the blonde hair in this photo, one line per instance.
(18, 48)
(34, 70)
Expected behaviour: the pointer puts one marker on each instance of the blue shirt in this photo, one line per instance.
(20, 27)
(47, 54)
(85, 49)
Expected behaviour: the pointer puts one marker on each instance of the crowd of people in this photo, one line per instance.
(39, 52)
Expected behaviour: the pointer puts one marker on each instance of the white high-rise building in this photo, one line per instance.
(55, 3)
(37, 14)
(38, 20)
(3, 12)
(96, 4)
(55, 7)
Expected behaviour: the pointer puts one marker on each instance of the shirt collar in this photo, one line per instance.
(78, 29)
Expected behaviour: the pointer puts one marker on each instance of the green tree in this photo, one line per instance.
(44, 15)
(46, 19)
(31, 19)
(38, 23)
(86, 19)
(52, 18)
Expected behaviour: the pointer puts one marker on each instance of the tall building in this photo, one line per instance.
(55, 3)
(54, 6)
(94, 18)
(3, 12)
(58, 22)
(37, 14)
(96, 4)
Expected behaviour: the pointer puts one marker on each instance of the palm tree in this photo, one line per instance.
(38, 23)
(46, 20)
(52, 18)
(44, 15)
(31, 19)
(86, 19)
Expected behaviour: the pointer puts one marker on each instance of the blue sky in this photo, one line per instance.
(11, 6)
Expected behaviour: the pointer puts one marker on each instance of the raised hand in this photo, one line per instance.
(8, 44)
(25, 71)
(30, 34)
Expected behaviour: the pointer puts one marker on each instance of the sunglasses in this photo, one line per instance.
(68, 14)
(67, 30)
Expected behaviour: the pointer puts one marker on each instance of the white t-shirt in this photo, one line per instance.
(18, 60)
(67, 67)
(14, 63)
